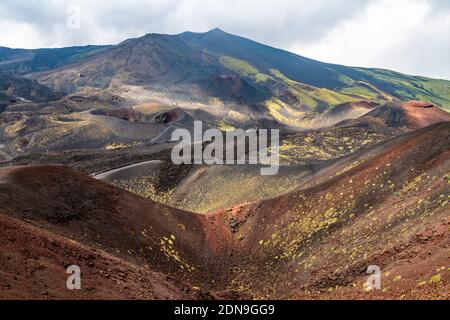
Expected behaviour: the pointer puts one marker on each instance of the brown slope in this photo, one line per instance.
(390, 209)
(342, 112)
(388, 206)
(400, 117)
(421, 114)
(33, 264)
(63, 201)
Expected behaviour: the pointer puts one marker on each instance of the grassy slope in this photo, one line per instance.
(401, 86)
(308, 96)
(359, 84)
(304, 76)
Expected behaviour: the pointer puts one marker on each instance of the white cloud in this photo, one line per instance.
(30, 37)
(405, 35)
(401, 35)
(106, 21)
(426, 51)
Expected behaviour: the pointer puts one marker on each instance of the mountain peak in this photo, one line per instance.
(216, 31)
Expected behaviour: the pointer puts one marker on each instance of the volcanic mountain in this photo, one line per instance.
(225, 80)
(215, 64)
(86, 176)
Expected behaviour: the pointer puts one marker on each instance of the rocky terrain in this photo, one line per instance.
(312, 242)
(86, 176)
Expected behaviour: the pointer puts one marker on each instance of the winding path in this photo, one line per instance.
(107, 174)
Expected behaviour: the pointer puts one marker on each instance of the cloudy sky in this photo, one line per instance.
(411, 36)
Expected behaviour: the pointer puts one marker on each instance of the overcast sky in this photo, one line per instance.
(411, 36)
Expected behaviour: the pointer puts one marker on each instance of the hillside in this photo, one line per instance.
(114, 96)
(400, 117)
(23, 61)
(303, 155)
(47, 255)
(387, 207)
(87, 177)
(313, 242)
(188, 62)
(16, 89)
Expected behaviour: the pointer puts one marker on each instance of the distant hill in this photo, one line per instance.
(22, 61)
(410, 115)
(229, 67)
(224, 80)
(15, 89)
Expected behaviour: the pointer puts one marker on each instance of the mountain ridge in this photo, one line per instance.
(270, 69)
(197, 67)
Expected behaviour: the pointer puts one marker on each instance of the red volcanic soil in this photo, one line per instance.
(387, 206)
(420, 114)
(134, 229)
(33, 264)
(151, 107)
(401, 117)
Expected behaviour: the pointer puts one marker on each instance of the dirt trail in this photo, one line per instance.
(108, 175)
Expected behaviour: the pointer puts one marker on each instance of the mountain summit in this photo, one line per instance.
(219, 64)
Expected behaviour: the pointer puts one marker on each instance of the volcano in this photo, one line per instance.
(87, 177)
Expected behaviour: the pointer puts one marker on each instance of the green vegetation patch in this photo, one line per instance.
(240, 66)
(408, 87)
